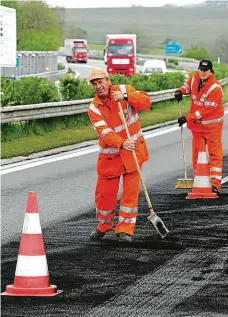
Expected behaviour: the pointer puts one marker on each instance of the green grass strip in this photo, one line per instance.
(54, 139)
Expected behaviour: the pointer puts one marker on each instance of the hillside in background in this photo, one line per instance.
(189, 26)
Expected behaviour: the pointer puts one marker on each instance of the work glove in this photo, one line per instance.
(181, 121)
(178, 95)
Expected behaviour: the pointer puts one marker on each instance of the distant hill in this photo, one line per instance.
(188, 26)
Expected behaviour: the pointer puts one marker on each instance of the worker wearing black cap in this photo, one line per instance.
(205, 118)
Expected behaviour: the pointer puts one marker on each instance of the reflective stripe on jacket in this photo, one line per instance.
(114, 161)
(207, 109)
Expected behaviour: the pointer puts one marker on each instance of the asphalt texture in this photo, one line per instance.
(184, 274)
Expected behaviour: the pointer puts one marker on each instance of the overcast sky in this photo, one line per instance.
(117, 3)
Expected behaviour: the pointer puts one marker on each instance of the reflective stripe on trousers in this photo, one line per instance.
(105, 216)
(106, 198)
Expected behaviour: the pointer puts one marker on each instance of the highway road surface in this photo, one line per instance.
(84, 69)
(184, 274)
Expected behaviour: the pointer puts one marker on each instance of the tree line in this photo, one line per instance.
(40, 27)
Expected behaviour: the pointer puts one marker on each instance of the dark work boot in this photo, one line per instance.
(124, 237)
(215, 190)
(97, 235)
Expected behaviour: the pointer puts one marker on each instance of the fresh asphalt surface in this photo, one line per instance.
(184, 274)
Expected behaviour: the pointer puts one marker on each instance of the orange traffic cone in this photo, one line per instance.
(202, 184)
(31, 276)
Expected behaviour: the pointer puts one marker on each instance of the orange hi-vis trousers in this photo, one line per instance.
(215, 151)
(106, 199)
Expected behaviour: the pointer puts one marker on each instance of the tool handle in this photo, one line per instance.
(136, 160)
(183, 145)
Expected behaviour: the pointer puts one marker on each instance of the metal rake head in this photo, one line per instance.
(159, 225)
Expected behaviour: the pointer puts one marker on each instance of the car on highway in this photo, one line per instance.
(153, 66)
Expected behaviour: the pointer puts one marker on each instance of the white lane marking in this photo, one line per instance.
(48, 160)
(158, 133)
(147, 135)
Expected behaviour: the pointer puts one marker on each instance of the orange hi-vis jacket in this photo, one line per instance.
(114, 161)
(207, 109)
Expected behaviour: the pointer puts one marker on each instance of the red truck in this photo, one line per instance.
(76, 50)
(121, 54)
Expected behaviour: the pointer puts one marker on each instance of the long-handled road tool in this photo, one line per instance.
(183, 182)
(156, 221)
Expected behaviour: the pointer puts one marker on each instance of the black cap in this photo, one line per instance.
(205, 65)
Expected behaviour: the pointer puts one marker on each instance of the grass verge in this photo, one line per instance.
(225, 93)
(23, 146)
(54, 139)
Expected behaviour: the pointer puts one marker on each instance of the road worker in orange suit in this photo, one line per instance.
(115, 153)
(205, 118)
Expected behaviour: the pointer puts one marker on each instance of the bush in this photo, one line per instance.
(75, 89)
(61, 66)
(30, 90)
(33, 90)
(173, 61)
(118, 79)
(197, 53)
(153, 82)
(6, 92)
(221, 70)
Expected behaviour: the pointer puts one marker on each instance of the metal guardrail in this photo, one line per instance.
(35, 64)
(32, 62)
(160, 56)
(52, 76)
(66, 108)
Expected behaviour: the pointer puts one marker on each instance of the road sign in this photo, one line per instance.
(173, 48)
(7, 37)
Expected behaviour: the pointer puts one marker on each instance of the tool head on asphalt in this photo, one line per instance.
(158, 225)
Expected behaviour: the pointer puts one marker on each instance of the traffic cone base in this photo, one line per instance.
(201, 195)
(31, 275)
(51, 290)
